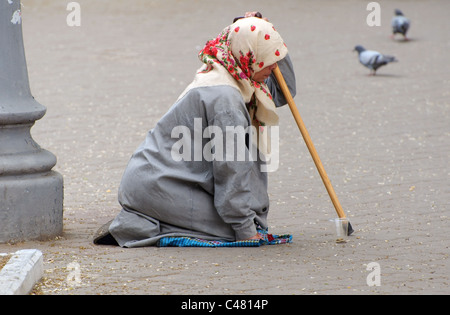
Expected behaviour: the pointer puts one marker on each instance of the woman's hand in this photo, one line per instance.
(256, 237)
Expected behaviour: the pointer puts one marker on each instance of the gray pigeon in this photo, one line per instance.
(373, 59)
(400, 24)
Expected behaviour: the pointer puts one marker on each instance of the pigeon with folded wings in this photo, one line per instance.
(400, 24)
(373, 59)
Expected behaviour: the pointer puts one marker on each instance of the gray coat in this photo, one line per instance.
(219, 199)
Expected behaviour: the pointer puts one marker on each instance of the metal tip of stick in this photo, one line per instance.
(350, 229)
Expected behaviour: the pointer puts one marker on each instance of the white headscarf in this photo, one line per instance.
(241, 50)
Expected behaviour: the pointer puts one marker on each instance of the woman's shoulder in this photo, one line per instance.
(219, 97)
(215, 93)
(213, 100)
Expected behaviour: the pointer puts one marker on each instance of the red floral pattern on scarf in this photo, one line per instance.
(256, 44)
(218, 51)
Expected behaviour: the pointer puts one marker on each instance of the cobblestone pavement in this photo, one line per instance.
(384, 141)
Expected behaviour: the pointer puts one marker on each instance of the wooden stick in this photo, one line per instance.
(309, 143)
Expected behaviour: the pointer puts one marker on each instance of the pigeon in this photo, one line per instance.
(373, 59)
(400, 24)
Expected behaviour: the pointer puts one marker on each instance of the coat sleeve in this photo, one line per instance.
(287, 69)
(233, 175)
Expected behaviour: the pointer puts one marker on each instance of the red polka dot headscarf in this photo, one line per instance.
(242, 49)
(258, 40)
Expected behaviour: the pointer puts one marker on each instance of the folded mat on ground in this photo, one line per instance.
(267, 239)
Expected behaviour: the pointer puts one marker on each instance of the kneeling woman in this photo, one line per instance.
(170, 186)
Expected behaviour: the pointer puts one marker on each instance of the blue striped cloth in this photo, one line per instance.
(183, 241)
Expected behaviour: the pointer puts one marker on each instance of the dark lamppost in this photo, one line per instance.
(31, 194)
